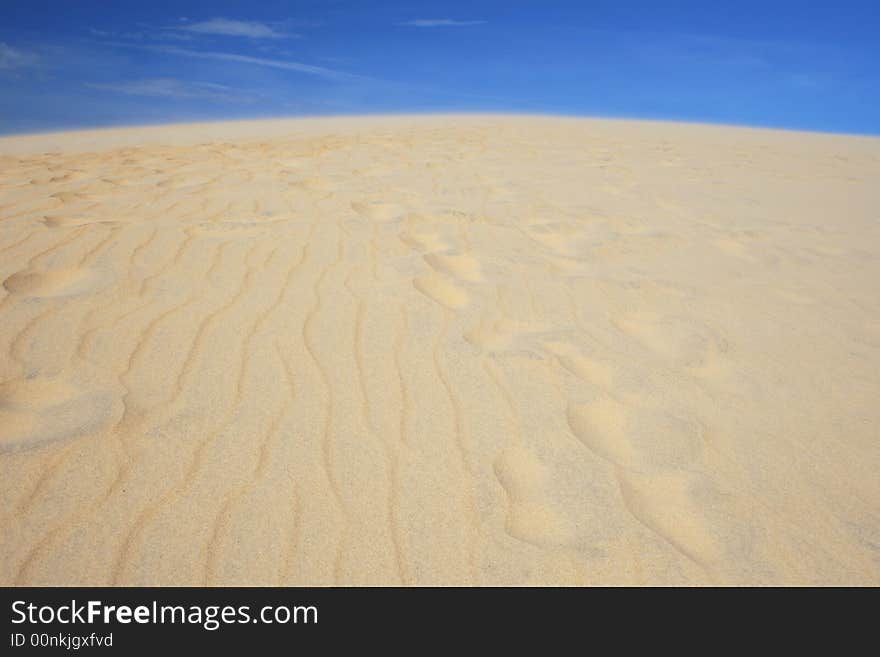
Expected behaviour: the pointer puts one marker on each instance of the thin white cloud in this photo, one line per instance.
(229, 27)
(177, 90)
(256, 61)
(439, 22)
(145, 34)
(13, 59)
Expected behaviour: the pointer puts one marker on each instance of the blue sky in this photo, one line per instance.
(84, 63)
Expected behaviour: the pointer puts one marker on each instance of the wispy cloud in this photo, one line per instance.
(145, 34)
(282, 64)
(177, 90)
(12, 59)
(439, 22)
(229, 27)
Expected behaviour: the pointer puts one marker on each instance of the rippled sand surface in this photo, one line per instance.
(439, 350)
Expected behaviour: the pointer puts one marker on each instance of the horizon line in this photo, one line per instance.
(90, 128)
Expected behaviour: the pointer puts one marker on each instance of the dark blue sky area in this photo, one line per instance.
(83, 63)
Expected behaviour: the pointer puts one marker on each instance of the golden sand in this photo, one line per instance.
(439, 350)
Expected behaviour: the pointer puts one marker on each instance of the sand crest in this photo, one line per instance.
(439, 350)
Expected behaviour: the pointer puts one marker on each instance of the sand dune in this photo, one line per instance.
(439, 350)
